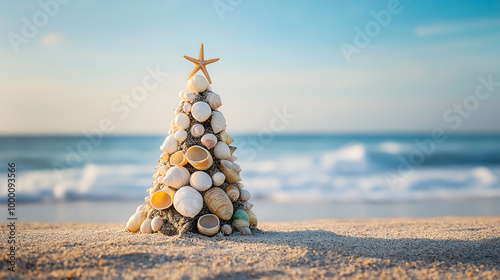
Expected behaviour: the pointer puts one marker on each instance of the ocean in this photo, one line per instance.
(291, 177)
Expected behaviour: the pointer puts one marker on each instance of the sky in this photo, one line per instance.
(315, 66)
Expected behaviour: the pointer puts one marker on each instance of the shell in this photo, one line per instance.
(189, 96)
(247, 205)
(169, 145)
(224, 137)
(181, 135)
(232, 159)
(218, 203)
(181, 102)
(182, 121)
(182, 93)
(186, 108)
(197, 130)
(240, 219)
(146, 226)
(232, 192)
(162, 170)
(226, 229)
(172, 124)
(245, 231)
(245, 195)
(188, 202)
(199, 157)
(178, 159)
(232, 149)
(178, 110)
(208, 224)
(239, 223)
(201, 111)
(252, 218)
(240, 185)
(218, 122)
(135, 221)
(147, 200)
(176, 177)
(236, 167)
(171, 131)
(213, 100)
(162, 199)
(197, 84)
(218, 178)
(159, 179)
(209, 140)
(156, 223)
(222, 151)
(229, 169)
(164, 156)
(200, 180)
(140, 208)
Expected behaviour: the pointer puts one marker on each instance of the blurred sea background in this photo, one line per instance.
(291, 177)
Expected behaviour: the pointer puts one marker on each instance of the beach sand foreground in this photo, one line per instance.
(430, 248)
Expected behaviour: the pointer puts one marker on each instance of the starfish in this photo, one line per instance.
(200, 64)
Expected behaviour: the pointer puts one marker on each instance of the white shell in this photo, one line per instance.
(178, 110)
(226, 229)
(171, 131)
(156, 223)
(201, 111)
(186, 108)
(176, 177)
(247, 205)
(232, 159)
(222, 151)
(172, 124)
(182, 121)
(213, 100)
(197, 130)
(164, 156)
(231, 170)
(140, 208)
(188, 202)
(182, 93)
(199, 157)
(245, 195)
(146, 226)
(162, 170)
(224, 137)
(181, 135)
(218, 122)
(169, 145)
(197, 84)
(159, 179)
(209, 140)
(218, 178)
(189, 96)
(135, 221)
(200, 180)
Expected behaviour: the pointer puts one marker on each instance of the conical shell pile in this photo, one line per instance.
(197, 170)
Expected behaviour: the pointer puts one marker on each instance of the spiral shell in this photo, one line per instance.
(188, 202)
(218, 122)
(245, 195)
(162, 170)
(247, 205)
(213, 100)
(135, 221)
(208, 224)
(176, 177)
(240, 185)
(159, 179)
(182, 121)
(199, 157)
(230, 170)
(240, 223)
(218, 203)
(218, 178)
(209, 140)
(245, 231)
(169, 145)
(252, 218)
(162, 199)
(186, 108)
(232, 159)
(197, 84)
(180, 135)
(201, 111)
(178, 159)
(164, 156)
(197, 130)
(226, 229)
(222, 151)
(200, 180)
(232, 192)
(156, 224)
(224, 137)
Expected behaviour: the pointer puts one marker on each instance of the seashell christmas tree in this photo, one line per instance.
(197, 185)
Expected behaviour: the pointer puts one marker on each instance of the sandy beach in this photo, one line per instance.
(427, 248)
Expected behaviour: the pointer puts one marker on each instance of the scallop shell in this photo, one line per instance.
(218, 122)
(162, 170)
(222, 151)
(252, 218)
(162, 199)
(218, 203)
(209, 140)
(200, 180)
(182, 121)
(178, 159)
(181, 135)
(156, 224)
(245, 195)
(229, 169)
(169, 145)
(146, 226)
(213, 100)
(240, 185)
(201, 111)
(224, 137)
(226, 229)
(197, 130)
(208, 224)
(218, 178)
(189, 96)
(232, 192)
(188, 202)
(199, 157)
(245, 231)
(186, 108)
(176, 177)
(197, 84)
(247, 205)
(135, 221)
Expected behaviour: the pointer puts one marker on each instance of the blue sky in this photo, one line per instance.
(274, 55)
